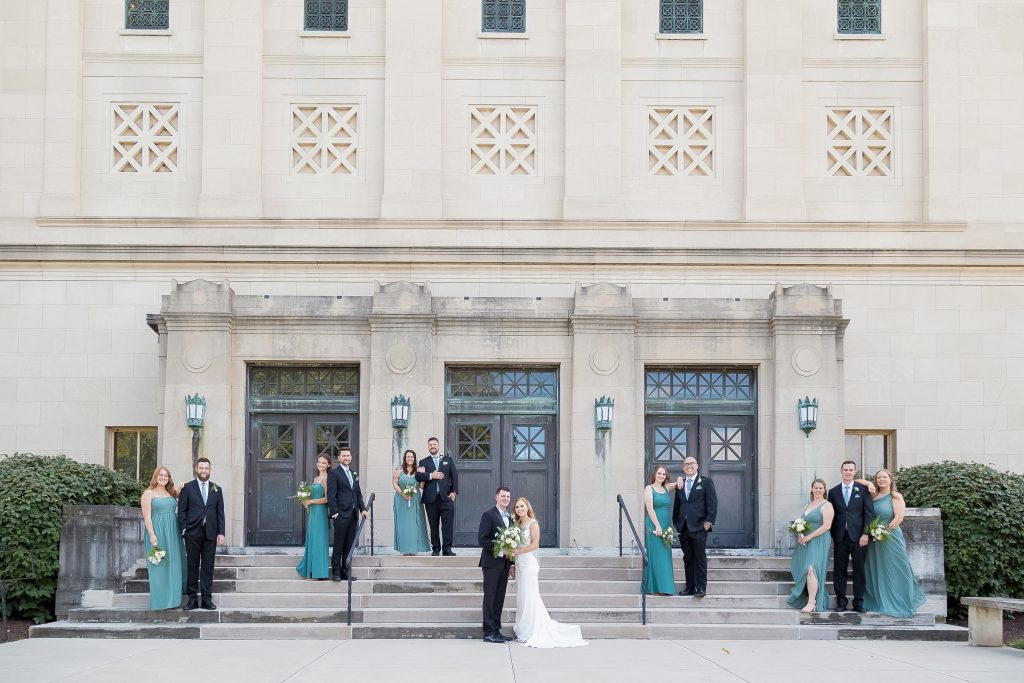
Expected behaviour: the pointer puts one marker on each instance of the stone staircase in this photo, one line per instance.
(261, 597)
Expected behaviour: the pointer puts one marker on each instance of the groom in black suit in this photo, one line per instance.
(201, 519)
(496, 569)
(345, 503)
(441, 486)
(693, 514)
(853, 514)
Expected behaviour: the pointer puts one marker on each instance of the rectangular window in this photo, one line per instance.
(681, 16)
(326, 15)
(133, 451)
(871, 450)
(504, 16)
(147, 15)
(859, 16)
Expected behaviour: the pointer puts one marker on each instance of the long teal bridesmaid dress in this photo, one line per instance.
(316, 562)
(410, 523)
(813, 554)
(167, 579)
(890, 587)
(659, 573)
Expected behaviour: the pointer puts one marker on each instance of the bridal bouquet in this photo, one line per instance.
(668, 536)
(879, 531)
(304, 492)
(508, 539)
(800, 526)
(409, 491)
(156, 555)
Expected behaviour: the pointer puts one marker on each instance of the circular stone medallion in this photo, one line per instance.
(197, 359)
(400, 359)
(604, 360)
(806, 361)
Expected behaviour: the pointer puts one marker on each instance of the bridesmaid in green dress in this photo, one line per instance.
(809, 563)
(410, 524)
(890, 587)
(658, 506)
(159, 512)
(315, 562)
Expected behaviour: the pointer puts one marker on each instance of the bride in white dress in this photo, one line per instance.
(534, 628)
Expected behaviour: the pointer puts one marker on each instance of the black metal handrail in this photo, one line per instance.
(352, 550)
(643, 554)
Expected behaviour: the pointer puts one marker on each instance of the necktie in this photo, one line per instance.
(348, 475)
(846, 494)
(437, 467)
(504, 518)
(689, 484)
(202, 488)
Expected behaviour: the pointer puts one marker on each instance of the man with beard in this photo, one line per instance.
(201, 519)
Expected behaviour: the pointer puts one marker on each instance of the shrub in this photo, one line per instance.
(983, 526)
(33, 491)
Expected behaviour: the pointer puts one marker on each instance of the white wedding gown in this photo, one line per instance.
(534, 628)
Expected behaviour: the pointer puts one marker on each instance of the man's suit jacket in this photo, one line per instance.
(700, 507)
(343, 499)
(433, 488)
(854, 518)
(192, 511)
(490, 522)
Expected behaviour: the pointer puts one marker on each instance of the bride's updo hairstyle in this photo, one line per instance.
(529, 508)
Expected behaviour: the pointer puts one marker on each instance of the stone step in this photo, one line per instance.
(470, 558)
(248, 615)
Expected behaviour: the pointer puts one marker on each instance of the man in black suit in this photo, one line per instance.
(201, 519)
(853, 514)
(496, 569)
(693, 515)
(441, 486)
(345, 503)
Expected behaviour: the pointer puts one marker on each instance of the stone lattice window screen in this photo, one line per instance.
(681, 16)
(859, 16)
(325, 139)
(504, 16)
(145, 137)
(860, 141)
(326, 15)
(681, 141)
(147, 15)
(503, 140)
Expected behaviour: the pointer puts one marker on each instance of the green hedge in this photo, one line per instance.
(983, 525)
(33, 491)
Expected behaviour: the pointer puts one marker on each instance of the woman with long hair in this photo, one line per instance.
(316, 562)
(809, 563)
(534, 627)
(410, 524)
(160, 514)
(890, 586)
(658, 574)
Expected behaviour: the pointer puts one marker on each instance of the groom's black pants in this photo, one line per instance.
(441, 511)
(695, 559)
(846, 548)
(495, 585)
(344, 537)
(200, 550)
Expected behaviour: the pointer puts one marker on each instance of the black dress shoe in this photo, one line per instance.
(191, 605)
(699, 594)
(335, 576)
(208, 604)
(494, 639)
(507, 639)
(449, 553)
(840, 608)
(860, 610)
(435, 553)
(686, 594)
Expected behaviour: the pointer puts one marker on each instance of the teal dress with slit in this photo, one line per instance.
(167, 579)
(410, 522)
(890, 586)
(813, 554)
(316, 562)
(659, 573)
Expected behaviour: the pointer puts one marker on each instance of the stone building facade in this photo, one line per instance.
(505, 211)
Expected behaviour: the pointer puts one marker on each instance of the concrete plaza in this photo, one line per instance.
(112, 661)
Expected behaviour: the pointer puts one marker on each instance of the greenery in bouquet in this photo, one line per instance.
(508, 539)
(879, 531)
(156, 555)
(409, 491)
(800, 526)
(669, 536)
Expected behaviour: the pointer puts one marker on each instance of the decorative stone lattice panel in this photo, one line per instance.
(325, 139)
(503, 140)
(145, 138)
(504, 16)
(681, 141)
(859, 16)
(860, 141)
(681, 16)
(326, 15)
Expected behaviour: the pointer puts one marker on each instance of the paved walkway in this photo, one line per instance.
(453, 661)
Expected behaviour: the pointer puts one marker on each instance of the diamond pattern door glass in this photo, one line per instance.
(474, 442)
(277, 442)
(528, 442)
(331, 438)
(726, 443)
(669, 444)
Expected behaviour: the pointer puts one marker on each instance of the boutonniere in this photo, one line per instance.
(355, 475)
(213, 487)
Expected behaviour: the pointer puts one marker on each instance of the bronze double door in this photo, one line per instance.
(282, 452)
(519, 451)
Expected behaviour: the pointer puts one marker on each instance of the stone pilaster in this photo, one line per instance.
(412, 118)
(232, 108)
(62, 139)
(942, 111)
(603, 327)
(593, 109)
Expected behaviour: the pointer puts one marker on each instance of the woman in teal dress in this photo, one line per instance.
(316, 562)
(809, 563)
(659, 575)
(410, 524)
(160, 515)
(890, 586)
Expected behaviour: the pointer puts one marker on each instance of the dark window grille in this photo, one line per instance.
(681, 16)
(504, 16)
(326, 15)
(135, 453)
(303, 382)
(474, 383)
(147, 15)
(709, 385)
(859, 16)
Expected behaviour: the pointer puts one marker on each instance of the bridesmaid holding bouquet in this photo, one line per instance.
(165, 551)
(410, 525)
(316, 562)
(810, 557)
(890, 586)
(659, 573)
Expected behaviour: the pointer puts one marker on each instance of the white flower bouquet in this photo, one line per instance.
(508, 539)
(409, 491)
(878, 531)
(156, 555)
(304, 492)
(800, 526)
(668, 536)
